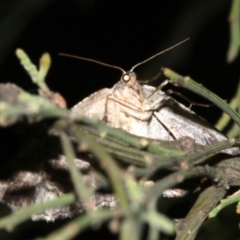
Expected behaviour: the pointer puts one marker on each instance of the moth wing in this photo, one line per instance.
(180, 120)
(183, 122)
(157, 130)
(177, 121)
(92, 106)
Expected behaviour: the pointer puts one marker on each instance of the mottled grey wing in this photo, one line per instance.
(180, 122)
(92, 106)
(183, 122)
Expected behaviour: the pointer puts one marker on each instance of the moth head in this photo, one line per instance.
(129, 77)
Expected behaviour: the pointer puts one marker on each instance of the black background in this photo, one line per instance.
(121, 33)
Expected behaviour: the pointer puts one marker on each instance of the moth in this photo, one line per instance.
(146, 111)
(142, 110)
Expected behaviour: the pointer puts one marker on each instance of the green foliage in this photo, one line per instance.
(137, 204)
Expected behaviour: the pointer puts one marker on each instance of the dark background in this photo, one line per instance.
(121, 33)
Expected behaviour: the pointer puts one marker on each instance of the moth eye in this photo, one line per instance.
(126, 77)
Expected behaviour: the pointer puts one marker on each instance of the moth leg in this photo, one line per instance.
(192, 103)
(155, 98)
(131, 110)
(164, 83)
(169, 92)
(124, 103)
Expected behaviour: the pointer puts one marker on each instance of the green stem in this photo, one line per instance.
(74, 227)
(190, 84)
(23, 214)
(82, 192)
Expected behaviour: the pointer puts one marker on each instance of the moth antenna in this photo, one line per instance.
(94, 61)
(148, 59)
